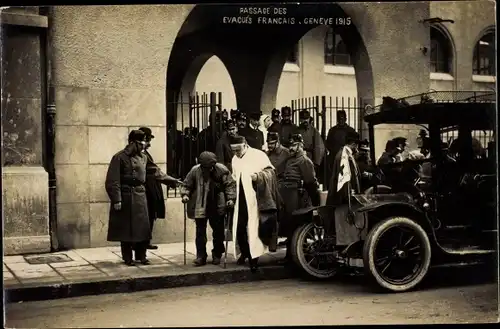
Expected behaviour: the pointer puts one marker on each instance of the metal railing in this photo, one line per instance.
(192, 129)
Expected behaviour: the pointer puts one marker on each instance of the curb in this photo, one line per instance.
(123, 285)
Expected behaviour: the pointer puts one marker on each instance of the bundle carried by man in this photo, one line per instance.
(270, 204)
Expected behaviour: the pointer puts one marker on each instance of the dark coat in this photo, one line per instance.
(125, 183)
(278, 158)
(154, 191)
(336, 139)
(196, 188)
(285, 131)
(313, 144)
(224, 152)
(254, 137)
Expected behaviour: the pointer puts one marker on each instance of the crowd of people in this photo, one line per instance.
(254, 175)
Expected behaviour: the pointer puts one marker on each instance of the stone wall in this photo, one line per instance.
(24, 180)
(110, 64)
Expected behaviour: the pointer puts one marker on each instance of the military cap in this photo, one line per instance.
(147, 131)
(286, 111)
(241, 116)
(237, 139)
(364, 145)
(272, 136)
(296, 138)
(275, 113)
(136, 136)
(234, 113)
(225, 115)
(400, 140)
(230, 124)
(304, 114)
(254, 115)
(341, 113)
(422, 133)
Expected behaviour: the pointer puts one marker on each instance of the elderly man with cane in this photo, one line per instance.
(208, 190)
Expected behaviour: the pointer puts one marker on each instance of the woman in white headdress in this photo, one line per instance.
(265, 123)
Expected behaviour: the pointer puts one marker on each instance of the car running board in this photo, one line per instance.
(472, 250)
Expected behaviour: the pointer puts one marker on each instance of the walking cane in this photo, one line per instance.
(185, 221)
(229, 216)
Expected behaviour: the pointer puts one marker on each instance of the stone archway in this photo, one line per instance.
(254, 55)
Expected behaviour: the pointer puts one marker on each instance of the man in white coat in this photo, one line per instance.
(247, 163)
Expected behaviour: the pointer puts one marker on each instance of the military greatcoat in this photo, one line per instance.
(125, 183)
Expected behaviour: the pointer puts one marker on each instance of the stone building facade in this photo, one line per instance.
(114, 68)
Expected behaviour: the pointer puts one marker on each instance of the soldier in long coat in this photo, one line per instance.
(154, 178)
(299, 174)
(285, 128)
(336, 139)
(253, 135)
(128, 216)
(277, 153)
(223, 147)
(313, 143)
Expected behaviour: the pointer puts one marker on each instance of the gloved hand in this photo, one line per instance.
(230, 203)
(185, 199)
(118, 206)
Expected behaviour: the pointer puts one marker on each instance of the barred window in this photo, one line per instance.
(483, 62)
(293, 55)
(441, 57)
(336, 50)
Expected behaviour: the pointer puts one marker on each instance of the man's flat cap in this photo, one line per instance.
(272, 136)
(296, 138)
(136, 136)
(147, 131)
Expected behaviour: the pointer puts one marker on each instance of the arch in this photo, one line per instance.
(256, 69)
(486, 33)
(442, 52)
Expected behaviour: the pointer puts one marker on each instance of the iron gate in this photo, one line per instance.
(324, 109)
(192, 129)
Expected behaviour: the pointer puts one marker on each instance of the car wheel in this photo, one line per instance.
(306, 247)
(397, 254)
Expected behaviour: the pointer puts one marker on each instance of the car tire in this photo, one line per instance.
(299, 258)
(372, 241)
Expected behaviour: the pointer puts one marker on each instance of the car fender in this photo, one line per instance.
(404, 208)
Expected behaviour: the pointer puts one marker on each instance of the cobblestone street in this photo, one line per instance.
(285, 302)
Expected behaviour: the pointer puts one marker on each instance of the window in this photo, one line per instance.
(336, 50)
(483, 61)
(440, 52)
(293, 56)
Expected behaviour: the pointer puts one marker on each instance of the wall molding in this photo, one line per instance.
(484, 78)
(291, 67)
(441, 76)
(339, 69)
(24, 20)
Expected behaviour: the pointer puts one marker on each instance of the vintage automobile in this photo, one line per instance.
(396, 232)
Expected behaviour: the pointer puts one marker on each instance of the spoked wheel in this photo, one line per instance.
(397, 254)
(313, 252)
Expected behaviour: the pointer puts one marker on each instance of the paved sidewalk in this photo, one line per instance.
(100, 270)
